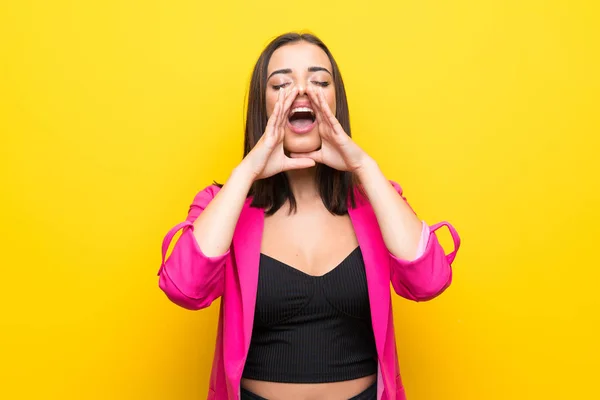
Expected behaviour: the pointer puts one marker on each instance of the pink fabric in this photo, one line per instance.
(424, 240)
(193, 281)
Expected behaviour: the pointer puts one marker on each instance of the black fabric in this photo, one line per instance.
(369, 393)
(311, 329)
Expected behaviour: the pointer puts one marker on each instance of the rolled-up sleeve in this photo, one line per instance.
(430, 273)
(188, 277)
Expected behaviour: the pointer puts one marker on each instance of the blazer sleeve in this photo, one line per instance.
(427, 276)
(189, 278)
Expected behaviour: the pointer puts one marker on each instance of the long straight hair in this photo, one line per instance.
(335, 187)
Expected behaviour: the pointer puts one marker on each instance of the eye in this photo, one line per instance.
(277, 87)
(321, 83)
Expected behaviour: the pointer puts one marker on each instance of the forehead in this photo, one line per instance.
(298, 57)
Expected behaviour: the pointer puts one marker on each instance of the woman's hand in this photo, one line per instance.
(267, 158)
(338, 150)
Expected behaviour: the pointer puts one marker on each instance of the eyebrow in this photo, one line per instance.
(289, 71)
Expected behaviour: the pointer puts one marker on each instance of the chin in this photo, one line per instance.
(301, 143)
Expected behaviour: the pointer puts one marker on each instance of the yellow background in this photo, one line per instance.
(115, 113)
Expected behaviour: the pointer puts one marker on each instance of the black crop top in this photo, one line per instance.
(311, 329)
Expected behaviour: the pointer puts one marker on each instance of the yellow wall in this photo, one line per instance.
(114, 113)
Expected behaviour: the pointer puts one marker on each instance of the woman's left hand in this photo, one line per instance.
(337, 150)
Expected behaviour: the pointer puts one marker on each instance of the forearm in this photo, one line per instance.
(400, 227)
(214, 228)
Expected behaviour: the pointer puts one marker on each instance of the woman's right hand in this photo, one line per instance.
(267, 158)
(214, 227)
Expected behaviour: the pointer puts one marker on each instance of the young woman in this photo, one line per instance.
(301, 244)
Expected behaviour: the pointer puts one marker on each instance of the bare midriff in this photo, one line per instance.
(343, 390)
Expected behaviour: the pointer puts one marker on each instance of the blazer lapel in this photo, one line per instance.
(376, 268)
(247, 239)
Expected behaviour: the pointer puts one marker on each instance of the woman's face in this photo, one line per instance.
(300, 65)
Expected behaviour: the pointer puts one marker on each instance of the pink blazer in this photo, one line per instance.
(193, 281)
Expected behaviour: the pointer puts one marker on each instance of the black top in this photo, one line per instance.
(311, 329)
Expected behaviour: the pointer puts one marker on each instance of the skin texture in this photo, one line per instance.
(311, 240)
(299, 57)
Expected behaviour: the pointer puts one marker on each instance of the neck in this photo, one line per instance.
(303, 183)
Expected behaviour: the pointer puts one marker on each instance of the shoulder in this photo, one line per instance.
(396, 186)
(360, 196)
(205, 196)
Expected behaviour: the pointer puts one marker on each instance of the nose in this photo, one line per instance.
(301, 89)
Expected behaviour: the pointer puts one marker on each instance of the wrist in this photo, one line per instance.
(367, 167)
(244, 172)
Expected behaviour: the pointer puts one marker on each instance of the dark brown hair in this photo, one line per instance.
(271, 193)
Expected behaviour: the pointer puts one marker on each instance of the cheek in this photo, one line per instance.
(271, 101)
(331, 103)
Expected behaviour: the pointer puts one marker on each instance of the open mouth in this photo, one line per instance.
(301, 119)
